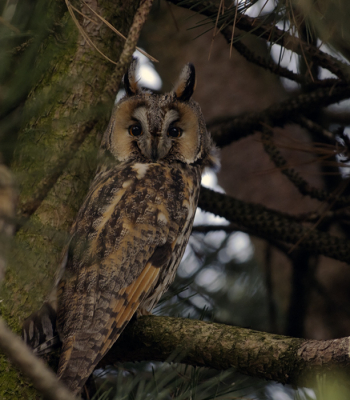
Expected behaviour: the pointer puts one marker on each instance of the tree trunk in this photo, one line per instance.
(54, 161)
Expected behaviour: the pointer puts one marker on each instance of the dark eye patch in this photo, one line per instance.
(135, 129)
(174, 131)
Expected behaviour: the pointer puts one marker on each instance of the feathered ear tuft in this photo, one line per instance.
(186, 83)
(130, 83)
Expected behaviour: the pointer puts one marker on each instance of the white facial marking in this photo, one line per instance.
(141, 115)
(170, 116)
(141, 170)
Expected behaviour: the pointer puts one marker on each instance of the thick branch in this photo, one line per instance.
(270, 224)
(269, 356)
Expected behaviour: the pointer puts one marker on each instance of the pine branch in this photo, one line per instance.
(270, 224)
(297, 180)
(267, 31)
(277, 69)
(229, 129)
(258, 354)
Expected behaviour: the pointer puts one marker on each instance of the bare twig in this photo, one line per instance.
(315, 128)
(210, 228)
(117, 32)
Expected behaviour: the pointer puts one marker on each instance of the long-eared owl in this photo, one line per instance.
(132, 229)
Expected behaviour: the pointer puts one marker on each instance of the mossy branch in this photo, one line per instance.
(258, 354)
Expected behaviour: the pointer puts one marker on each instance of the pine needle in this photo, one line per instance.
(215, 27)
(233, 30)
(84, 34)
(4, 22)
(119, 33)
(71, 10)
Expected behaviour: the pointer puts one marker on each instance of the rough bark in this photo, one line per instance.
(64, 117)
(258, 354)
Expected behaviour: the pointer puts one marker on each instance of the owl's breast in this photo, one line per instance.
(132, 205)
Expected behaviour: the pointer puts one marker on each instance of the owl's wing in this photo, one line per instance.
(82, 351)
(122, 237)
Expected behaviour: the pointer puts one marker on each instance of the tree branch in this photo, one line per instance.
(130, 43)
(43, 379)
(270, 224)
(229, 129)
(269, 32)
(258, 354)
(295, 178)
(276, 68)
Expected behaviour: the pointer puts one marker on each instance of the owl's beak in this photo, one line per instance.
(154, 149)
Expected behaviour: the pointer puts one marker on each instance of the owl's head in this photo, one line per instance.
(155, 128)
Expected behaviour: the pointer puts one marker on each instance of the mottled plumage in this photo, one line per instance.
(132, 229)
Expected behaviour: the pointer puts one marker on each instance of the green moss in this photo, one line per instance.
(13, 384)
(63, 120)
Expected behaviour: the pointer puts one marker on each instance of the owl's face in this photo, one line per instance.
(153, 128)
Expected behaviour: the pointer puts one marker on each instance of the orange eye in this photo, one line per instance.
(135, 130)
(174, 131)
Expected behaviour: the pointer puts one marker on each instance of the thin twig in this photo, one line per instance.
(315, 128)
(119, 33)
(84, 34)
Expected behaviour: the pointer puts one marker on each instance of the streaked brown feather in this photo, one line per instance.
(123, 308)
(108, 274)
(131, 232)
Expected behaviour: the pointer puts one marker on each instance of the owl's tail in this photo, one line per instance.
(82, 351)
(75, 366)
